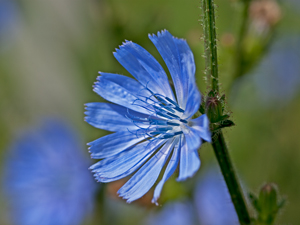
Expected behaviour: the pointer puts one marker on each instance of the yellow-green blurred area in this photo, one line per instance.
(51, 52)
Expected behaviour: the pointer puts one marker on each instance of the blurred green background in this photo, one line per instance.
(51, 51)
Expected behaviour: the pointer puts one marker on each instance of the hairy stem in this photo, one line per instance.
(221, 152)
(219, 144)
(210, 42)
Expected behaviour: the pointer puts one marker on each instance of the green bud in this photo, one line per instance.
(268, 203)
(213, 109)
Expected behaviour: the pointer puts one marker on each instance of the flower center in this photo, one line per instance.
(165, 119)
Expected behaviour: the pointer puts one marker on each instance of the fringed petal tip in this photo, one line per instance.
(130, 199)
(181, 39)
(160, 33)
(123, 196)
(123, 45)
(96, 83)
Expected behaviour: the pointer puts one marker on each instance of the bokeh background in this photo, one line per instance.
(51, 51)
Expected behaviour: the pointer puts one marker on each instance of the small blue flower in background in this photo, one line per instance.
(46, 177)
(211, 205)
(278, 76)
(9, 17)
(174, 213)
(293, 3)
(276, 80)
(212, 200)
(150, 124)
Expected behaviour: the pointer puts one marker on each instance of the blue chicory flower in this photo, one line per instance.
(46, 178)
(148, 122)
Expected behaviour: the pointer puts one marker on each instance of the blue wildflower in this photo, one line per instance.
(151, 126)
(275, 81)
(212, 200)
(46, 179)
(9, 17)
(174, 213)
(277, 77)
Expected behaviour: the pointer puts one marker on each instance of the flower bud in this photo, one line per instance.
(213, 109)
(268, 203)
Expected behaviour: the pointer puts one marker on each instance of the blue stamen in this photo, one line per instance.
(167, 108)
(154, 133)
(158, 122)
(172, 124)
(166, 136)
(164, 128)
(161, 100)
(171, 114)
(184, 121)
(158, 108)
(162, 115)
(179, 109)
(175, 104)
(170, 100)
(169, 135)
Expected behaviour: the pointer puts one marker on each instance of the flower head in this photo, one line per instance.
(46, 179)
(151, 126)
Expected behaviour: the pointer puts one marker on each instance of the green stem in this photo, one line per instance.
(221, 152)
(219, 144)
(213, 44)
(206, 39)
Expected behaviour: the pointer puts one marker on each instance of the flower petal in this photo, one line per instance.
(188, 69)
(172, 165)
(193, 139)
(117, 167)
(122, 90)
(193, 103)
(144, 67)
(192, 97)
(128, 83)
(201, 125)
(113, 144)
(108, 116)
(189, 161)
(146, 176)
(164, 42)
